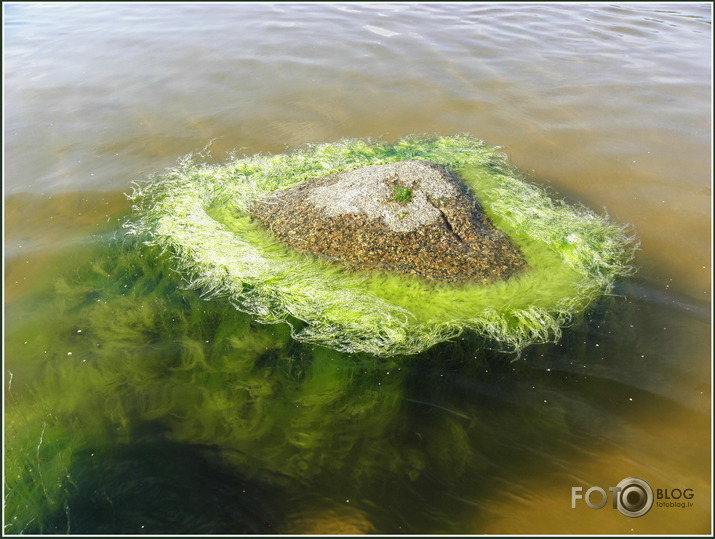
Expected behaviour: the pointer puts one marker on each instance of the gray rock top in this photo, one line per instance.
(412, 217)
(371, 190)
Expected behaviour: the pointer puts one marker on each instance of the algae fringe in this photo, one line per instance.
(199, 214)
(152, 365)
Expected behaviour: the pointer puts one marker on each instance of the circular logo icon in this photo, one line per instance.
(635, 497)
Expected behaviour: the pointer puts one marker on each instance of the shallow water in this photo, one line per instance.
(135, 407)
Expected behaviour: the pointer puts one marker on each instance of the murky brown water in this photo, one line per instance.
(609, 105)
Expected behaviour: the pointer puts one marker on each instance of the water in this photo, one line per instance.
(135, 407)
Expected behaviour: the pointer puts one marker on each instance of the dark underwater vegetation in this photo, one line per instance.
(140, 407)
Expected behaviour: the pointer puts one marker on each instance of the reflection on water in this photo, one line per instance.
(133, 406)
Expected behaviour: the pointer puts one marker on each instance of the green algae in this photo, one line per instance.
(403, 195)
(133, 361)
(199, 213)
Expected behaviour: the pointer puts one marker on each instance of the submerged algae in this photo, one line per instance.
(201, 214)
(135, 379)
(160, 371)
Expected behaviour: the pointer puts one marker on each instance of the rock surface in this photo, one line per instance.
(412, 217)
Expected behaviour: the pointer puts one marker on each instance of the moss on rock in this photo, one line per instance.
(200, 213)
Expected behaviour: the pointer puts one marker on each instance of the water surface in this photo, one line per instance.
(133, 406)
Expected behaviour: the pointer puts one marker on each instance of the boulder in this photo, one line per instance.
(412, 217)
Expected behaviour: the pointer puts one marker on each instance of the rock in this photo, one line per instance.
(413, 217)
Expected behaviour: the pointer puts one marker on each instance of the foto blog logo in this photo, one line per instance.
(633, 497)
